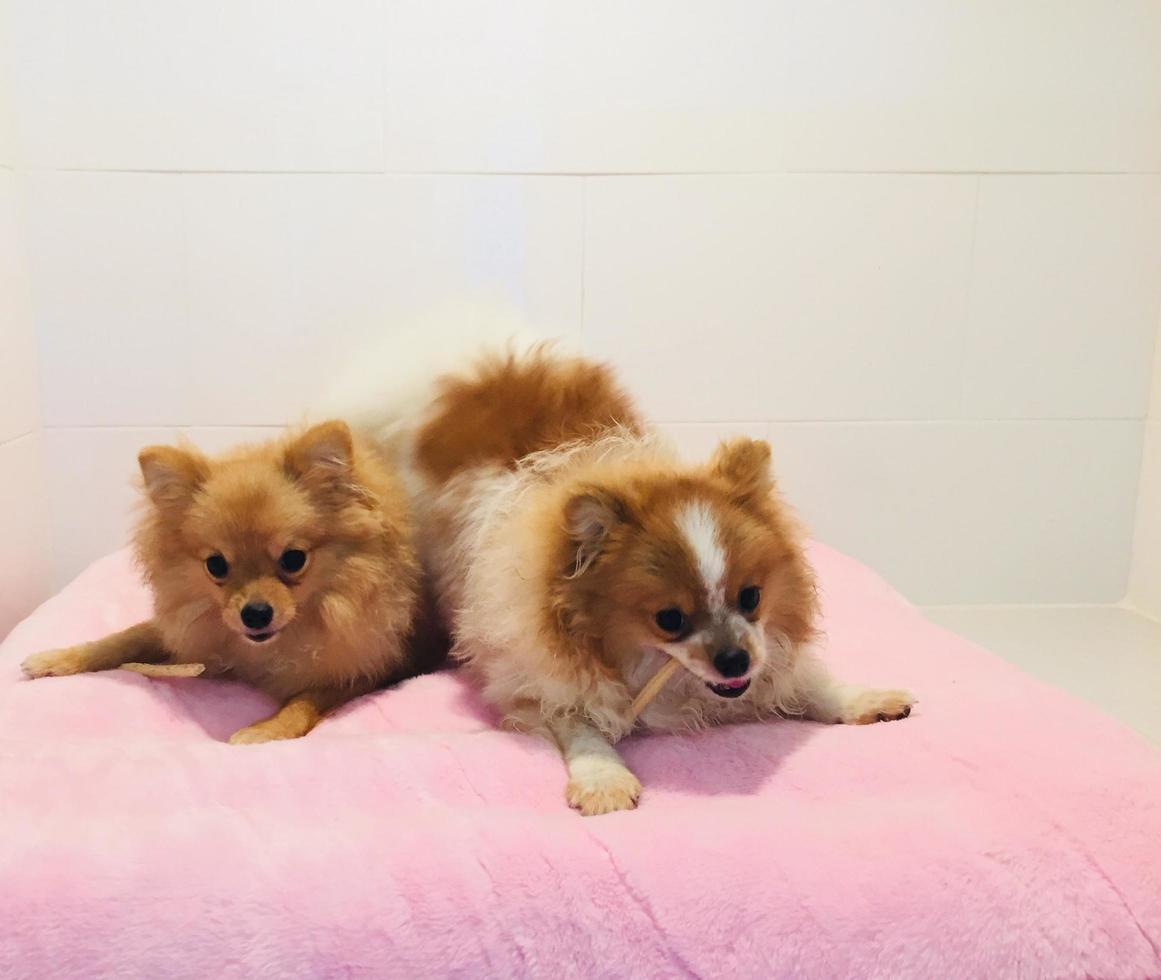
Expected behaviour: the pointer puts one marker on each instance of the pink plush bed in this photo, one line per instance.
(1005, 829)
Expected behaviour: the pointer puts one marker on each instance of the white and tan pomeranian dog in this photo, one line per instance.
(573, 554)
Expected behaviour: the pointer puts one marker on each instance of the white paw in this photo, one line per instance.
(54, 663)
(601, 786)
(870, 706)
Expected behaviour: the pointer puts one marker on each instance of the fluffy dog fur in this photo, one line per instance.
(557, 529)
(341, 624)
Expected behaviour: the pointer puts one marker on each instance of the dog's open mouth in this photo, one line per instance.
(260, 637)
(730, 689)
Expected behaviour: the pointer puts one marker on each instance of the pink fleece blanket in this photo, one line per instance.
(1004, 830)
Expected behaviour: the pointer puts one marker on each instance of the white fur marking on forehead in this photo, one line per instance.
(700, 530)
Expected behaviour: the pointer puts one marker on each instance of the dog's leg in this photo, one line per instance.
(822, 698)
(138, 644)
(598, 779)
(296, 717)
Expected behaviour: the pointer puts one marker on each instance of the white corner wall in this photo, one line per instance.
(24, 559)
(1145, 582)
(916, 243)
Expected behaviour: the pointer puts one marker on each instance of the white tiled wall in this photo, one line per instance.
(1064, 300)
(225, 297)
(917, 243)
(781, 296)
(103, 461)
(650, 86)
(1013, 511)
(200, 84)
(24, 544)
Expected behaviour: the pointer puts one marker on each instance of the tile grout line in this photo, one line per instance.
(965, 313)
(28, 434)
(1129, 606)
(1030, 607)
(1005, 606)
(599, 174)
(178, 426)
(584, 231)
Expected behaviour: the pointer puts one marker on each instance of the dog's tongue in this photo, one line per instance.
(735, 682)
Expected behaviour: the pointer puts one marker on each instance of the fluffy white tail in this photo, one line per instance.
(391, 381)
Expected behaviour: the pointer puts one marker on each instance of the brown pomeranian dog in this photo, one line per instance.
(575, 556)
(289, 565)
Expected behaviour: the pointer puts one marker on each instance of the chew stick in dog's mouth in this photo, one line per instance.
(165, 670)
(652, 687)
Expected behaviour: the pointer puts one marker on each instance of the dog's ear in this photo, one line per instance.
(590, 516)
(744, 464)
(172, 475)
(322, 456)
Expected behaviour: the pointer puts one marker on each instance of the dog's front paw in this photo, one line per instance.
(870, 706)
(603, 787)
(55, 663)
(257, 734)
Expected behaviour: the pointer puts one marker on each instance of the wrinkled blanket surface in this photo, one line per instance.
(1005, 829)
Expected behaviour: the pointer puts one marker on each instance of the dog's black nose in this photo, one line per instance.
(730, 663)
(257, 615)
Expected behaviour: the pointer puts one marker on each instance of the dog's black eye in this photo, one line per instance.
(292, 560)
(218, 567)
(749, 598)
(671, 620)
